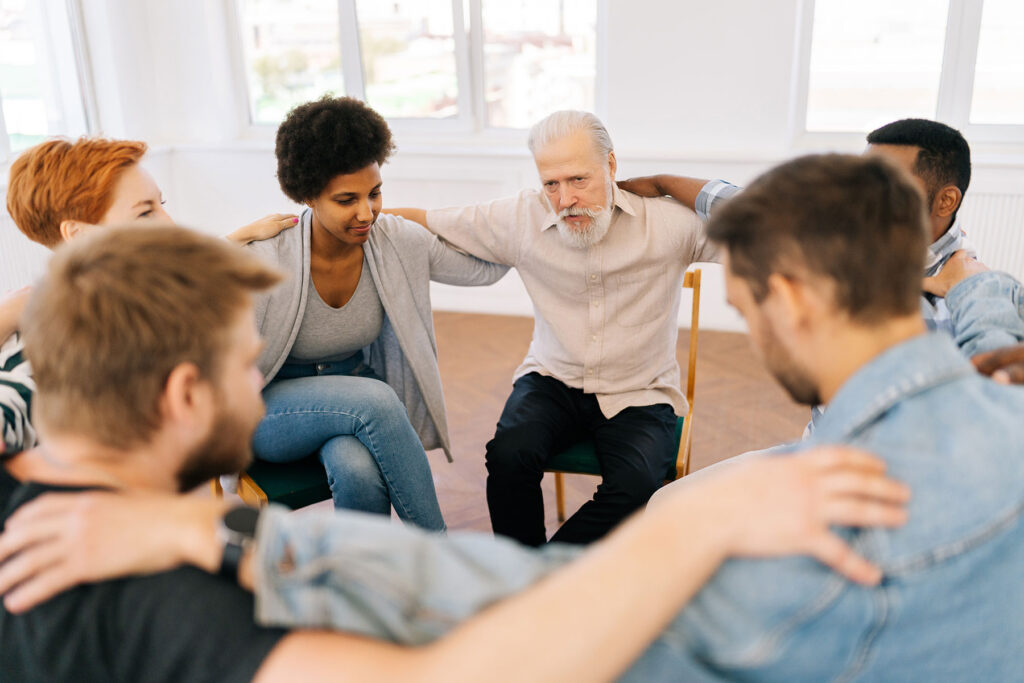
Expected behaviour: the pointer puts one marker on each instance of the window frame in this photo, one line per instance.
(468, 127)
(956, 84)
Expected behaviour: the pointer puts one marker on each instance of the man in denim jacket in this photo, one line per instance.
(829, 288)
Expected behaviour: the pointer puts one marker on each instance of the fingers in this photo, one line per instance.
(827, 458)
(18, 537)
(860, 512)
(867, 485)
(39, 588)
(832, 551)
(1002, 359)
(40, 563)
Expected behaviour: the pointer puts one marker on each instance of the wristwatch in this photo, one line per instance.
(237, 529)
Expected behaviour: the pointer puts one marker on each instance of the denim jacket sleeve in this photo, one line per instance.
(987, 311)
(361, 573)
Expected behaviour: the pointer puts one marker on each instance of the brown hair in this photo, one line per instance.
(857, 221)
(60, 180)
(118, 310)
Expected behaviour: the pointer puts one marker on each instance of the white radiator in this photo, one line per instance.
(995, 225)
(21, 261)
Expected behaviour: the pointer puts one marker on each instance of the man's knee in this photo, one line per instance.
(516, 451)
(629, 489)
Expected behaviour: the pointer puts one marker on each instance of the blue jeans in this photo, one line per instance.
(361, 432)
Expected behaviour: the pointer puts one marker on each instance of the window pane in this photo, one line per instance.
(408, 50)
(539, 56)
(873, 62)
(292, 54)
(30, 111)
(999, 71)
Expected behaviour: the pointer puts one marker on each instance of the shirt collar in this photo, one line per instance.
(620, 199)
(897, 373)
(941, 249)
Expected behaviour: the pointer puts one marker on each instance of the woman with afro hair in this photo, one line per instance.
(350, 360)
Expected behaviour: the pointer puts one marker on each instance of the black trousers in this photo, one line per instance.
(543, 417)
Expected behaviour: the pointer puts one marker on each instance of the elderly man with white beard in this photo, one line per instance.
(604, 269)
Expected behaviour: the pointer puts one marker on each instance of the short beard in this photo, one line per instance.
(227, 450)
(600, 221)
(800, 387)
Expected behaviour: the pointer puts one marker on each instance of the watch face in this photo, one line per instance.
(242, 520)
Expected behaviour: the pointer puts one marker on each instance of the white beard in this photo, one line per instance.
(600, 221)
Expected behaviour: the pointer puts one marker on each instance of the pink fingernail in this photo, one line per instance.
(295, 220)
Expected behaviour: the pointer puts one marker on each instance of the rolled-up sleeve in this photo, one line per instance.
(713, 195)
(987, 311)
(363, 574)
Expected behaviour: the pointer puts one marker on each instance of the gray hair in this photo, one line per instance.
(566, 122)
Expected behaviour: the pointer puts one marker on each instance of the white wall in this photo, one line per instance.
(693, 87)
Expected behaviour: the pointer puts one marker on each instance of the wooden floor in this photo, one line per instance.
(737, 407)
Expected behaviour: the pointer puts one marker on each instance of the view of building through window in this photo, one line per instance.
(292, 54)
(874, 61)
(539, 56)
(999, 74)
(408, 54)
(24, 76)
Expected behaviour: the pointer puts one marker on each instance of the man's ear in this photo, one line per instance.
(789, 299)
(187, 397)
(612, 165)
(71, 228)
(947, 201)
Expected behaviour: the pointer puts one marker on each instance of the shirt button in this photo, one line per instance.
(596, 304)
(594, 338)
(320, 367)
(590, 371)
(593, 277)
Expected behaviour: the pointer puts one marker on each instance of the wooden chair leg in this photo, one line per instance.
(560, 496)
(251, 493)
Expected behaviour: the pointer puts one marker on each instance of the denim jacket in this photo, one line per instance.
(949, 608)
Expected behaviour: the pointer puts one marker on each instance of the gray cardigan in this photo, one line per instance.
(403, 257)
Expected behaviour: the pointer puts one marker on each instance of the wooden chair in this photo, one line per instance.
(295, 484)
(580, 458)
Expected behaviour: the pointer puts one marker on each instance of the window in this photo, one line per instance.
(875, 61)
(40, 91)
(471, 63)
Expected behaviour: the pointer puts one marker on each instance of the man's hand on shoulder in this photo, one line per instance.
(958, 268)
(61, 540)
(1005, 365)
(645, 186)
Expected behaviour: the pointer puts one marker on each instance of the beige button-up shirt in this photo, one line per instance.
(606, 316)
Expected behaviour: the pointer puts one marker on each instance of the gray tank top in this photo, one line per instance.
(333, 334)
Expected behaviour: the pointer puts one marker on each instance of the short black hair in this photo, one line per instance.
(856, 221)
(325, 138)
(945, 156)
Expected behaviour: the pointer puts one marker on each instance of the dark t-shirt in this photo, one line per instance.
(181, 625)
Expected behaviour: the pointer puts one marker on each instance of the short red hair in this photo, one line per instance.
(60, 180)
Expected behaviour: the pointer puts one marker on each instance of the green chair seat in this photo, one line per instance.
(294, 484)
(580, 458)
